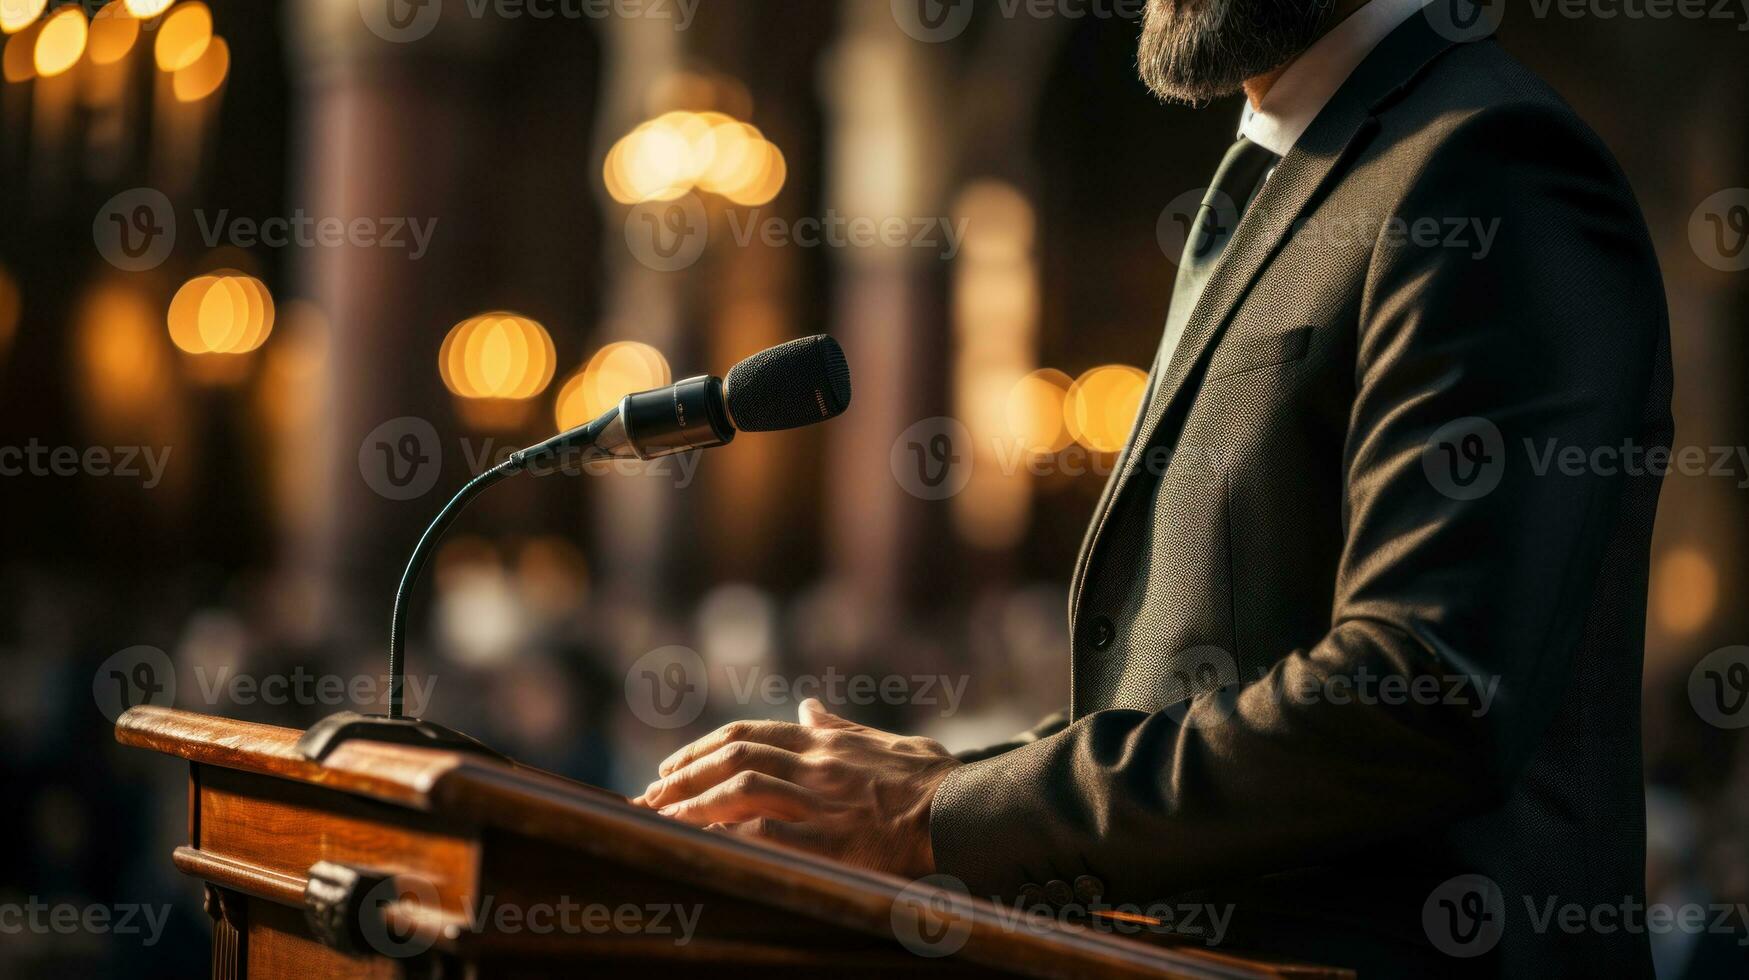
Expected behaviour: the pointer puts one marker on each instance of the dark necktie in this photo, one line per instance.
(1241, 170)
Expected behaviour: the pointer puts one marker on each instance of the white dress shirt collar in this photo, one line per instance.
(1306, 87)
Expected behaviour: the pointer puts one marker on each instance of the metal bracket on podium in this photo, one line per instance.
(335, 730)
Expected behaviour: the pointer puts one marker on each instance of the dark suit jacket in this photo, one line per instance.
(1309, 511)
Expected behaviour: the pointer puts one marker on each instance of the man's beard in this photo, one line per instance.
(1197, 50)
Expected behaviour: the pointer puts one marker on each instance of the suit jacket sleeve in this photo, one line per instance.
(1052, 724)
(1548, 337)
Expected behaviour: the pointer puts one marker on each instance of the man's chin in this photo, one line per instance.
(1188, 88)
(1175, 73)
(1196, 52)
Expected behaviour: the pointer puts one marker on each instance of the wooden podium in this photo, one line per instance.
(396, 861)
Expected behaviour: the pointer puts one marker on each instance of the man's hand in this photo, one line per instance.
(826, 785)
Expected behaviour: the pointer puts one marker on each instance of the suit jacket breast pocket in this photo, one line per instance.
(1254, 352)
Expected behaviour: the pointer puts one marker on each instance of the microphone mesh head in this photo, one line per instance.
(791, 385)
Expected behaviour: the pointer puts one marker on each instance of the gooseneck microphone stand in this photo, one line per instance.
(416, 564)
(795, 384)
(329, 733)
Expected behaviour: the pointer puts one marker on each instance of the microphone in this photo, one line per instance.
(795, 384)
(786, 387)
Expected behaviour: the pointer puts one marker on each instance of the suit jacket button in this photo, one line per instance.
(1100, 633)
(1089, 890)
(1031, 896)
(1058, 892)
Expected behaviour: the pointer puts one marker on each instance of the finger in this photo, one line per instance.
(745, 796)
(696, 777)
(785, 832)
(782, 734)
(813, 714)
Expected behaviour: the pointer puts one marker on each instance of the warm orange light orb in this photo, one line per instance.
(1035, 412)
(225, 312)
(16, 15)
(183, 36)
(617, 370)
(497, 355)
(204, 77)
(61, 41)
(122, 358)
(113, 33)
(147, 8)
(18, 61)
(1101, 406)
(1685, 590)
(666, 157)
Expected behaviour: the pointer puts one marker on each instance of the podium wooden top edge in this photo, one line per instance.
(494, 793)
(375, 770)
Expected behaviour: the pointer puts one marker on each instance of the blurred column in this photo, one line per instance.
(883, 100)
(631, 516)
(387, 112)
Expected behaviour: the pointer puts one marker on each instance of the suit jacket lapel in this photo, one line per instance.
(1299, 177)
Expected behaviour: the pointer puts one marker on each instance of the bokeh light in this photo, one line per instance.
(61, 41)
(1101, 406)
(122, 357)
(204, 77)
(11, 305)
(1685, 591)
(497, 355)
(16, 15)
(617, 370)
(677, 152)
(113, 33)
(147, 8)
(224, 312)
(1035, 412)
(183, 36)
(18, 63)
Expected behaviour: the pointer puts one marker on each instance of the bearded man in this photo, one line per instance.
(1349, 658)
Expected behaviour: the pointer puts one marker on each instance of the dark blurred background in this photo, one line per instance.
(224, 440)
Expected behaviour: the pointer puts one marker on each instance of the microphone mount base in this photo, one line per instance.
(344, 726)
